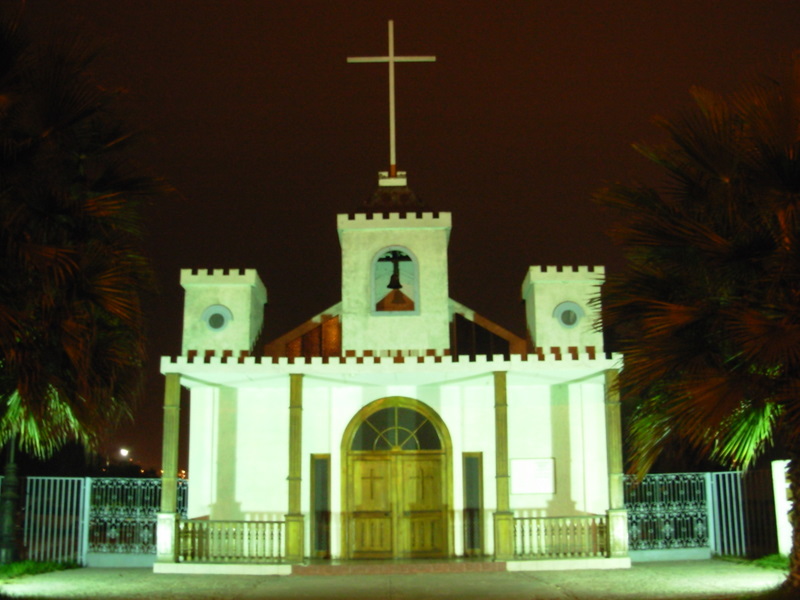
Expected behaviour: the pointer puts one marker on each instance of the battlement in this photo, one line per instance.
(566, 272)
(561, 274)
(394, 220)
(571, 354)
(220, 277)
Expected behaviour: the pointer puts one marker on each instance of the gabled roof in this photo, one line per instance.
(470, 335)
(321, 335)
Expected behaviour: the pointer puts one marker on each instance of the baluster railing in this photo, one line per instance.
(230, 541)
(561, 537)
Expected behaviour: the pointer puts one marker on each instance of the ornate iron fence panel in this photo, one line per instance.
(123, 513)
(668, 511)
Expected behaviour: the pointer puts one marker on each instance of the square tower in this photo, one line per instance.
(395, 281)
(223, 310)
(559, 308)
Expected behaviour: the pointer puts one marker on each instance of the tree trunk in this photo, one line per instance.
(792, 582)
(8, 508)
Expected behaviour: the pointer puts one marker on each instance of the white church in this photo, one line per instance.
(397, 423)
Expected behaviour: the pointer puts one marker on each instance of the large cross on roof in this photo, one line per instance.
(391, 59)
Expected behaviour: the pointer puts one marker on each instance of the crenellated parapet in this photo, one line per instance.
(394, 220)
(563, 273)
(221, 277)
(570, 354)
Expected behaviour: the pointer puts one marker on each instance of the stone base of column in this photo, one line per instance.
(295, 537)
(503, 535)
(617, 532)
(167, 538)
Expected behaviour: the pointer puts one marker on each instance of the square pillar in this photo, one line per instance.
(167, 538)
(617, 515)
(295, 521)
(167, 524)
(617, 533)
(503, 517)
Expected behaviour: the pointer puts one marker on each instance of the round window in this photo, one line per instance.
(217, 317)
(568, 314)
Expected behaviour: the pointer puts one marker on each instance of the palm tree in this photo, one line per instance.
(707, 308)
(71, 269)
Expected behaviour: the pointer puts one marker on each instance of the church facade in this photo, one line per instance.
(397, 423)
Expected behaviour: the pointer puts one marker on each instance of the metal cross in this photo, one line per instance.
(395, 257)
(391, 59)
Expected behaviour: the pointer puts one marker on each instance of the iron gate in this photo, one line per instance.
(727, 512)
(66, 518)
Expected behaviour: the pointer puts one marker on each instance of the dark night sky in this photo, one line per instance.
(250, 110)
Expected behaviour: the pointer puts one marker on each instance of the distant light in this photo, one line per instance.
(124, 452)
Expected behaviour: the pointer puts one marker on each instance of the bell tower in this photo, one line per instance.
(394, 281)
(394, 259)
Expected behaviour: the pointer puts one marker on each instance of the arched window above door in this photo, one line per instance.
(396, 428)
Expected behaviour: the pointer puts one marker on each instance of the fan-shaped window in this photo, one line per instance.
(396, 428)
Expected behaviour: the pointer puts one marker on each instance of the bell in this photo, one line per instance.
(394, 281)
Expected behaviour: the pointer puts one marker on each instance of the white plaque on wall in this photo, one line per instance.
(533, 476)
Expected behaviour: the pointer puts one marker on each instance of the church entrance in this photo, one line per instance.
(397, 482)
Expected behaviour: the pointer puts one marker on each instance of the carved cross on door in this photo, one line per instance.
(372, 478)
(422, 476)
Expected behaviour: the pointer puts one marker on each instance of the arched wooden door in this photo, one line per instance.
(397, 482)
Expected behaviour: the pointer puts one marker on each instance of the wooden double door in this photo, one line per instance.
(397, 505)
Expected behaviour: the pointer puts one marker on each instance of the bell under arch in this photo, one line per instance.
(395, 281)
(397, 482)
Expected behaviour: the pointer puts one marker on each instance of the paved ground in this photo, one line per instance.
(647, 581)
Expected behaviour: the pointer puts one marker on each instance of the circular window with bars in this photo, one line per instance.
(396, 429)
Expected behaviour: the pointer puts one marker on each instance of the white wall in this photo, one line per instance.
(238, 453)
(566, 424)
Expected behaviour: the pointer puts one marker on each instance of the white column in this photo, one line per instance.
(167, 523)
(617, 514)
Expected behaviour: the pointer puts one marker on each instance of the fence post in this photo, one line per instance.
(85, 521)
(783, 505)
(711, 511)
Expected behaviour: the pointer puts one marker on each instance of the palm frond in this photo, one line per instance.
(707, 309)
(71, 267)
